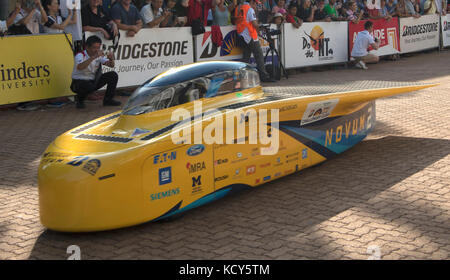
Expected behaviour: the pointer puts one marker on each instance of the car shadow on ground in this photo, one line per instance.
(254, 223)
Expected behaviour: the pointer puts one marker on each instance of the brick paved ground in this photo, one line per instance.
(391, 191)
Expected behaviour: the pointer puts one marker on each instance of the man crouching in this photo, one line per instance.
(87, 75)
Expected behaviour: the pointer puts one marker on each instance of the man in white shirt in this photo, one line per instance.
(363, 41)
(87, 76)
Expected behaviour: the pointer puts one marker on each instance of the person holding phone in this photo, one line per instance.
(87, 75)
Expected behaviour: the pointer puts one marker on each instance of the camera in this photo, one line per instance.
(269, 32)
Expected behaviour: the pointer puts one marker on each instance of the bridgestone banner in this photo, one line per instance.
(445, 24)
(315, 43)
(150, 52)
(386, 31)
(418, 34)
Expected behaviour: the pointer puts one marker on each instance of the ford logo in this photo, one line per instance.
(195, 150)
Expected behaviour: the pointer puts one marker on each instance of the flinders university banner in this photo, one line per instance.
(34, 67)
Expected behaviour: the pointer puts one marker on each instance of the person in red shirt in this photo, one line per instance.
(195, 10)
(291, 16)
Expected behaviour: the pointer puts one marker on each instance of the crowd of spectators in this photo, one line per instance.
(108, 16)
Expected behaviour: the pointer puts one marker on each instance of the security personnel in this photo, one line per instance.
(247, 28)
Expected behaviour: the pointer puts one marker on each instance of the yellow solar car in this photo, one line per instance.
(191, 135)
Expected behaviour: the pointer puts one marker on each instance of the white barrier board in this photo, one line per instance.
(315, 43)
(229, 50)
(445, 23)
(150, 52)
(419, 33)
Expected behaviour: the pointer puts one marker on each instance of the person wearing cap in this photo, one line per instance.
(277, 19)
(247, 28)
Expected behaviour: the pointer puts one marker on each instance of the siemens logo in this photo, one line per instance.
(420, 29)
(168, 193)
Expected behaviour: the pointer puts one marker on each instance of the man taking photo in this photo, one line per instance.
(363, 41)
(87, 75)
(247, 28)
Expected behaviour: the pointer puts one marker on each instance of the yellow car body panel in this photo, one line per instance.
(121, 170)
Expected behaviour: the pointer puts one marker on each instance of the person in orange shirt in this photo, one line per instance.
(247, 28)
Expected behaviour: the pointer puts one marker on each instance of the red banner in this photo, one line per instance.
(387, 31)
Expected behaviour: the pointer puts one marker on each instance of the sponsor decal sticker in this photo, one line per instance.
(92, 166)
(318, 110)
(251, 169)
(165, 175)
(304, 153)
(164, 194)
(197, 184)
(220, 161)
(196, 167)
(221, 178)
(164, 157)
(195, 150)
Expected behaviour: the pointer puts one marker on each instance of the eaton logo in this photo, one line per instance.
(164, 157)
(165, 175)
(195, 150)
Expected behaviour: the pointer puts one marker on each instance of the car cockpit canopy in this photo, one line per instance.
(189, 83)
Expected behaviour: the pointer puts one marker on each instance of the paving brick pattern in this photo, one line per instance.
(389, 196)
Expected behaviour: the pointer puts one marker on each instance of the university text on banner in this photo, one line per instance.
(418, 34)
(315, 43)
(386, 31)
(149, 53)
(35, 67)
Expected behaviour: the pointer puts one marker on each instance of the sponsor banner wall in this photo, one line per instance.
(35, 67)
(315, 43)
(149, 53)
(386, 31)
(445, 24)
(419, 33)
(229, 50)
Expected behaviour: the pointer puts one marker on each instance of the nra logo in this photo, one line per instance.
(196, 167)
